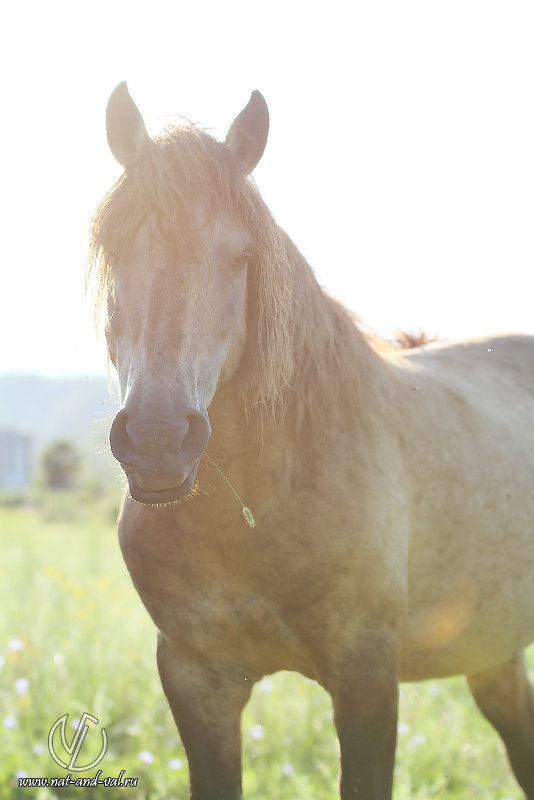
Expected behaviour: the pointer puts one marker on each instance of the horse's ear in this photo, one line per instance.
(247, 136)
(127, 135)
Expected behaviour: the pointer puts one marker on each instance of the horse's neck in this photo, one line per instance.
(337, 390)
(339, 376)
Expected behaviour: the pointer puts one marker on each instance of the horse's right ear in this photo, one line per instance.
(127, 135)
(247, 136)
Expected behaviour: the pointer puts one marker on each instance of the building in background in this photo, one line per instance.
(16, 463)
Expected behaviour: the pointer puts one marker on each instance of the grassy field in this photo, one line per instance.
(74, 637)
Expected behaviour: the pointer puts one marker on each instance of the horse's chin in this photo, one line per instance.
(164, 497)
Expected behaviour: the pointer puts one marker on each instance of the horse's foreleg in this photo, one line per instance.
(206, 705)
(365, 696)
(505, 697)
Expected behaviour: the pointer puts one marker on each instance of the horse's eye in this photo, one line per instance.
(243, 259)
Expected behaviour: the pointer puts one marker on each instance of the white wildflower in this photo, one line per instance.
(256, 732)
(418, 739)
(21, 686)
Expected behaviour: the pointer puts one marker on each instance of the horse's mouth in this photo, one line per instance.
(170, 496)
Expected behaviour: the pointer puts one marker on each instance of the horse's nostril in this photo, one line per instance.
(120, 443)
(196, 438)
(131, 440)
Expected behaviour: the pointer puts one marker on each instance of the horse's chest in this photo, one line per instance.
(207, 602)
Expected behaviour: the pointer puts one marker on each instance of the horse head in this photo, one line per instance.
(178, 252)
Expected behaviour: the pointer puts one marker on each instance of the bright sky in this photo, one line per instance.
(400, 157)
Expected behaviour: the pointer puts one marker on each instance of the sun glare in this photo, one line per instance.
(399, 157)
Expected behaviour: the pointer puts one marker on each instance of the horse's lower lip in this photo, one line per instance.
(154, 498)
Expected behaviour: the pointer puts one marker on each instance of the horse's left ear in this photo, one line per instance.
(247, 136)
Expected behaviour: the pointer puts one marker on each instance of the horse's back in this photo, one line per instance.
(503, 357)
(470, 459)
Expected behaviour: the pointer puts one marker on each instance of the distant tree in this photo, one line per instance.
(61, 463)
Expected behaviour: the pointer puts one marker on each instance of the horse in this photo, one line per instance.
(391, 490)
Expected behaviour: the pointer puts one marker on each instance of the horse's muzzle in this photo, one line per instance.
(160, 458)
(161, 496)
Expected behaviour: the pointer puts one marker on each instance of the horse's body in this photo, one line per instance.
(392, 495)
(470, 461)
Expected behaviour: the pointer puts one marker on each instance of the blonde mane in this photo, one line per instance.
(303, 348)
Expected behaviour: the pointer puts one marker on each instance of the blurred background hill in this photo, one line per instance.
(45, 410)
(51, 408)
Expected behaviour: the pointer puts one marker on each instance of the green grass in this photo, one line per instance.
(73, 626)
